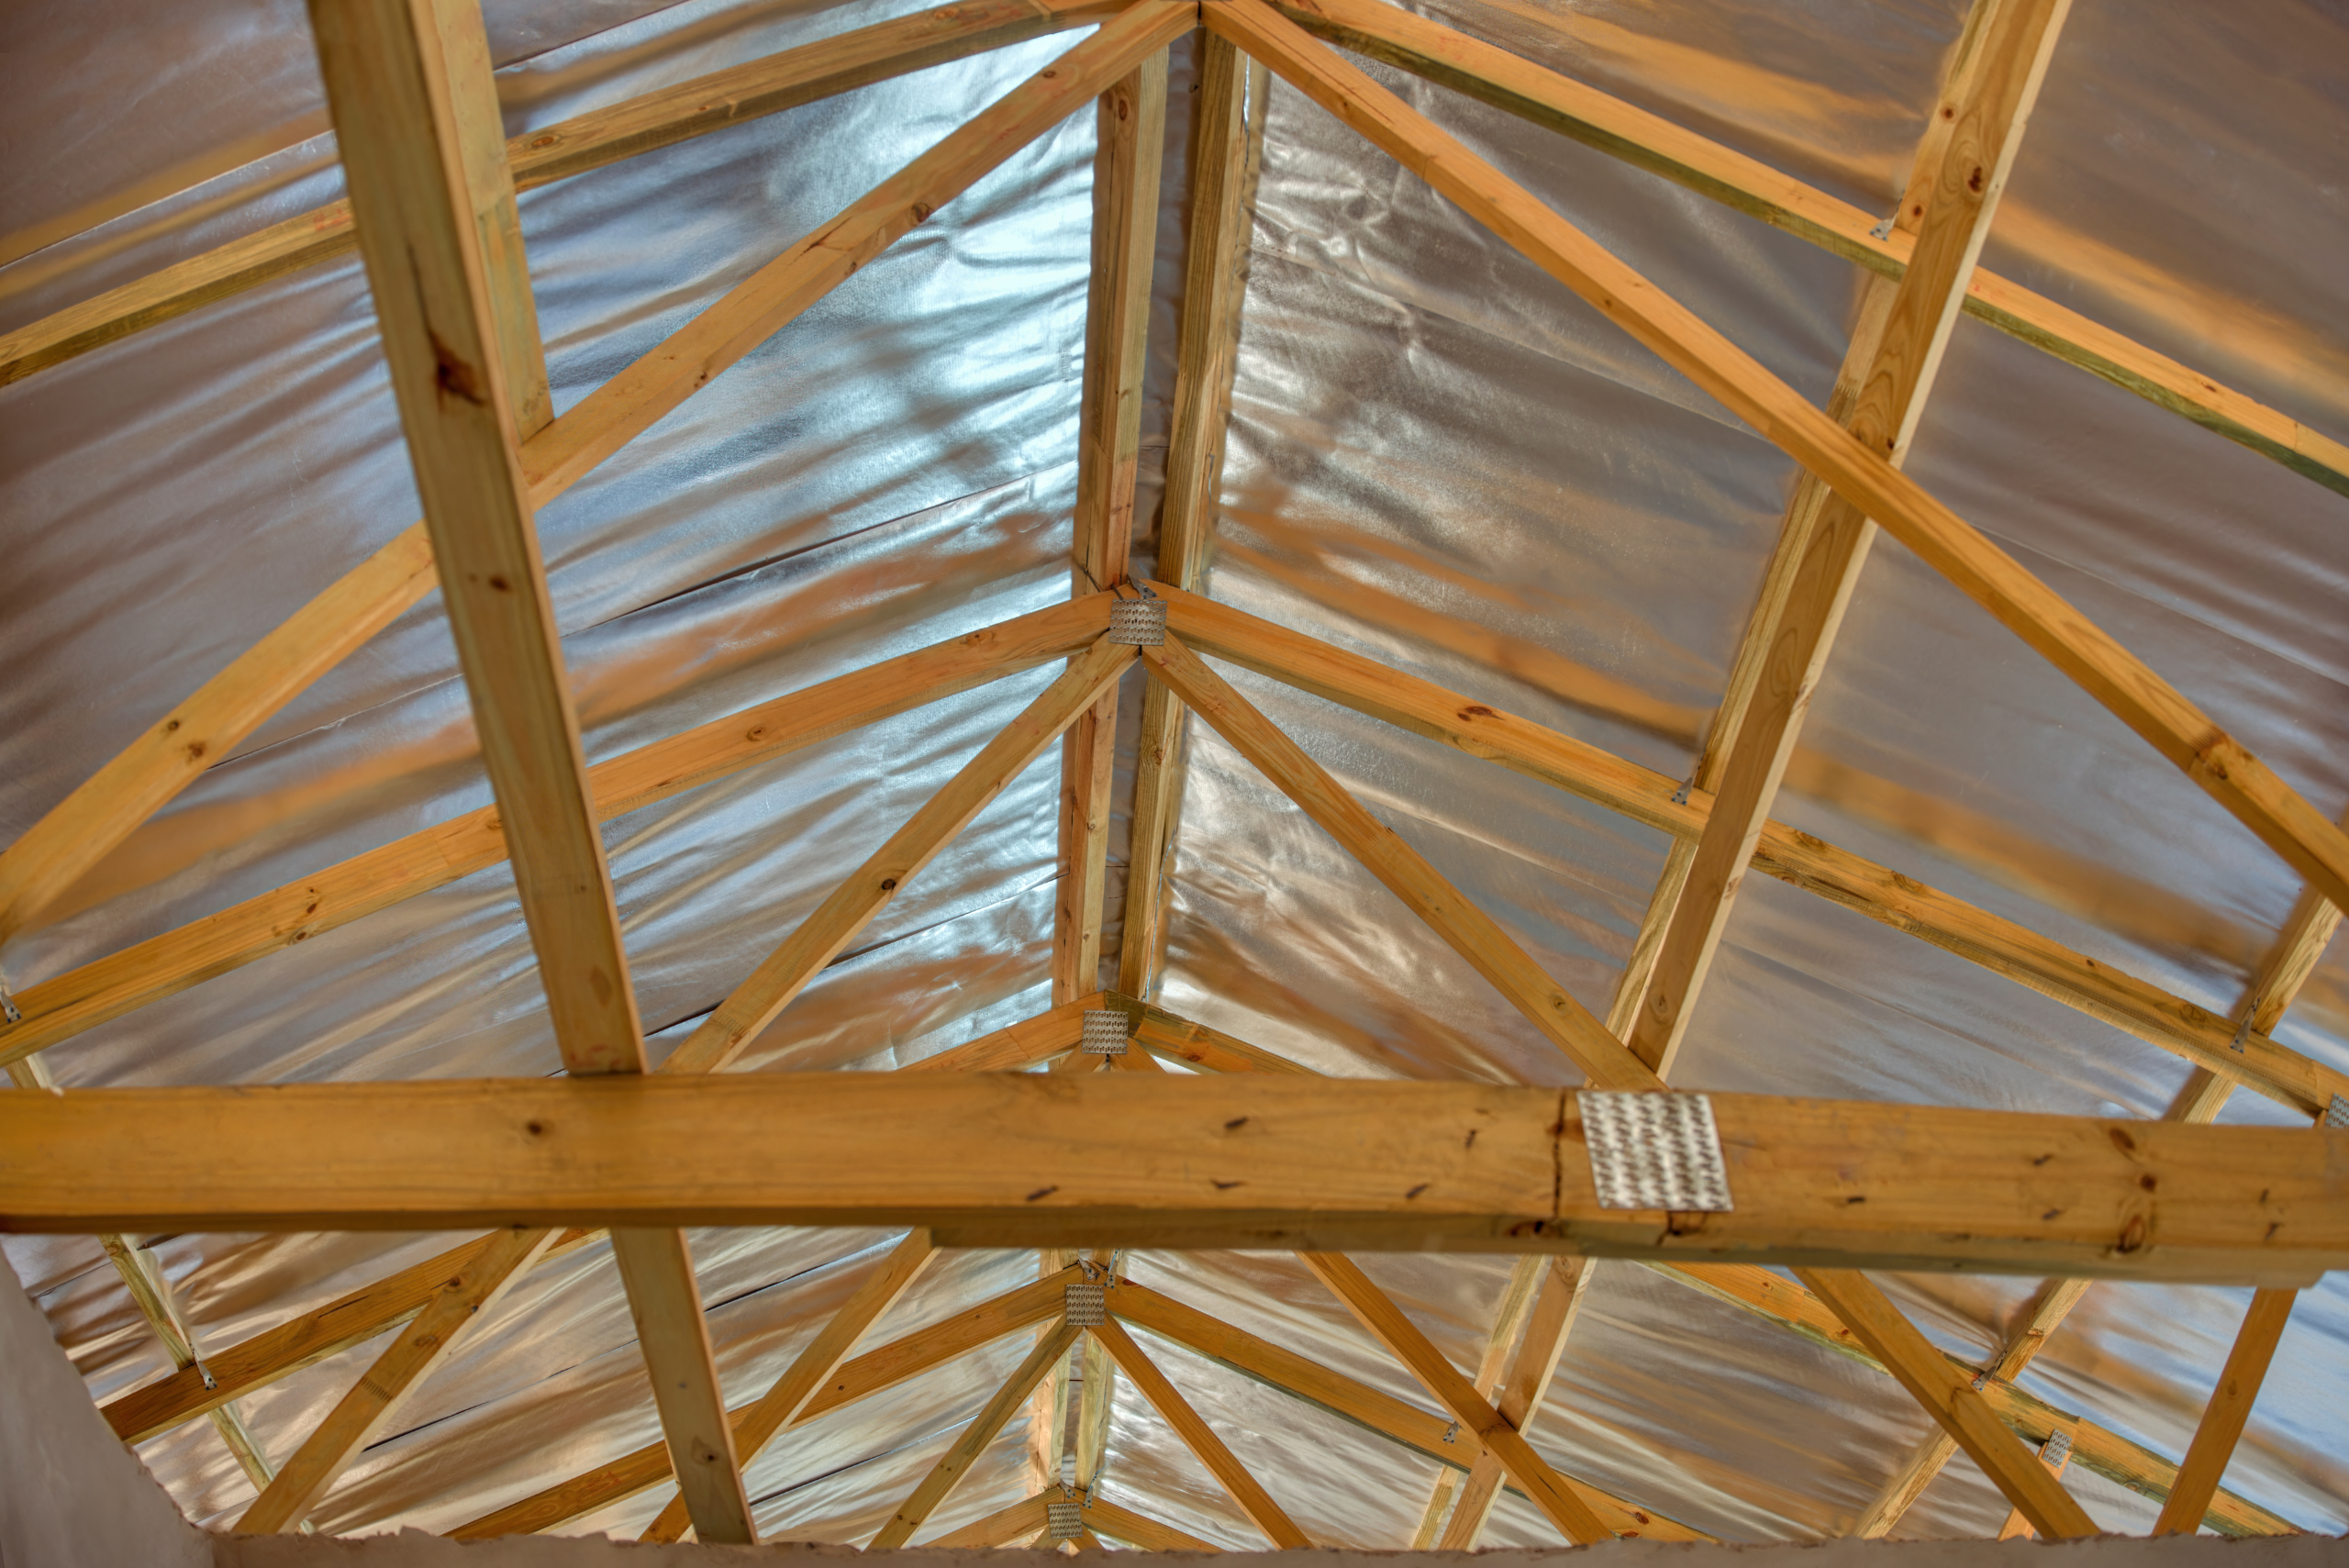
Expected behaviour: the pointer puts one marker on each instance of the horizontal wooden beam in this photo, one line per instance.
(1186, 1162)
(592, 140)
(2159, 1017)
(2161, 715)
(163, 965)
(1649, 141)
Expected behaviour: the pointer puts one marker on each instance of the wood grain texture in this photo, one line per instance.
(2161, 715)
(664, 1303)
(1890, 368)
(1648, 141)
(164, 965)
(955, 1463)
(422, 1348)
(395, 95)
(1949, 1396)
(2222, 1418)
(1564, 1283)
(753, 1003)
(1886, 896)
(1469, 932)
(1198, 1437)
(1556, 1498)
(1149, 1159)
(867, 1374)
(592, 140)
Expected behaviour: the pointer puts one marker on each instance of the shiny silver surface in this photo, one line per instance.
(1437, 457)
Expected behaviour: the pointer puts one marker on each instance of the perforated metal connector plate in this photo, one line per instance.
(1138, 623)
(1106, 1031)
(1087, 1305)
(1654, 1151)
(1062, 1521)
(2056, 1449)
(2337, 1113)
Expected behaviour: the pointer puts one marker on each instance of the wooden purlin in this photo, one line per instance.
(956, 1462)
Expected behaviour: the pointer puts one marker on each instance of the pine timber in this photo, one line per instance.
(1552, 1493)
(2222, 1419)
(1148, 1160)
(57, 1009)
(753, 1003)
(1470, 932)
(1560, 103)
(1129, 140)
(592, 140)
(810, 1371)
(427, 1343)
(1172, 1036)
(1884, 895)
(869, 1374)
(1278, 1367)
(1139, 1529)
(1949, 1396)
(1564, 1285)
(1004, 1527)
(1225, 135)
(142, 1275)
(1095, 1403)
(1525, 1277)
(2017, 1526)
(1824, 538)
(2162, 716)
(664, 1303)
(1200, 1438)
(956, 1462)
(234, 702)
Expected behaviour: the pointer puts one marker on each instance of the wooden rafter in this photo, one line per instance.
(1227, 138)
(2161, 715)
(2222, 1418)
(964, 1450)
(231, 705)
(1883, 895)
(1565, 1282)
(1200, 1438)
(592, 140)
(1404, 872)
(875, 1370)
(164, 965)
(861, 896)
(1950, 1398)
(1823, 542)
(1130, 139)
(656, 1266)
(1649, 141)
(1509, 1317)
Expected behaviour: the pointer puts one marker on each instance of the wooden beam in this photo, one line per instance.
(229, 707)
(2175, 727)
(664, 1303)
(1950, 1398)
(1824, 539)
(869, 1374)
(956, 1462)
(1886, 896)
(1148, 1160)
(1471, 933)
(1130, 139)
(2223, 1417)
(1097, 1402)
(1564, 1285)
(1002, 1527)
(810, 1371)
(1200, 1438)
(1171, 1035)
(1648, 141)
(162, 966)
(1551, 1492)
(394, 91)
(592, 140)
(1378, 1413)
(1139, 1529)
(150, 1291)
(1227, 136)
(427, 1343)
(2056, 1458)
(1516, 1300)
(783, 974)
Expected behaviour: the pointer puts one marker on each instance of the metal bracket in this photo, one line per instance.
(9, 1012)
(1655, 1150)
(2056, 1449)
(1883, 230)
(2243, 1032)
(1107, 1032)
(1451, 1432)
(1086, 1304)
(1680, 796)
(2337, 1113)
(1062, 1521)
(1138, 623)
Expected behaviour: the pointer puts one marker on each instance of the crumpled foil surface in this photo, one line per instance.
(1437, 456)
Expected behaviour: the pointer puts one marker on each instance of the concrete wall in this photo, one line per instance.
(71, 1496)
